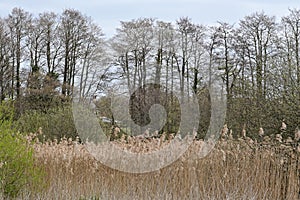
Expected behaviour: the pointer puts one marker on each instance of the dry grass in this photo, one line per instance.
(235, 169)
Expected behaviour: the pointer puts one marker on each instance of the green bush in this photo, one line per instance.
(55, 123)
(17, 165)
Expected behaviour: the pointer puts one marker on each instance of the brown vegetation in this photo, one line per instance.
(235, 169)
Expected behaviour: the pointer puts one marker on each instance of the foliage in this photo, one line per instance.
(55, 122)
(40, 94)
(17, 164)
(57, 55)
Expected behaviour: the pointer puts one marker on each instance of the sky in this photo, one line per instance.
(108, 13)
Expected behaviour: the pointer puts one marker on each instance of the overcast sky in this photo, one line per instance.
(108, 13)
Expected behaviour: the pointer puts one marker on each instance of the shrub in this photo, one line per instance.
(56, 122)
(17, 165)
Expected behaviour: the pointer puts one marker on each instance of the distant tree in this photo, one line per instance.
(51, 44)
(198, 57)
(72, 31)
(186, 30)
(226, 55)
(291, 24)
(260, 29)
(5, 68)
(210, 46)
(18, 22)
(93, 59)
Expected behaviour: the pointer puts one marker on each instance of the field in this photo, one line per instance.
(235, 169)
(61, 72)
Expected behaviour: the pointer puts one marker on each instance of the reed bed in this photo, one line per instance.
(234, 169)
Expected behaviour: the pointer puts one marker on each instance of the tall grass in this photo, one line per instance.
(235, 169)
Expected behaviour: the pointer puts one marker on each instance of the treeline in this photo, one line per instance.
(45, 58)
(41, 57)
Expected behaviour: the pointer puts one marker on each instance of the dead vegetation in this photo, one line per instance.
(235, 169)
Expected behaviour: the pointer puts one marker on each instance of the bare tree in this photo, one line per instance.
(259, 29)
(73, 30)
(210, 46)
(165, 42)
(198, 55)
(186, 30)
(18, 22)
(52, 46)
(92, 61)
(291, 24)
(5, 69)
(226, 56)
(132, 44)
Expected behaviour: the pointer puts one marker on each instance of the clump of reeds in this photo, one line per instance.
(235, 169)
